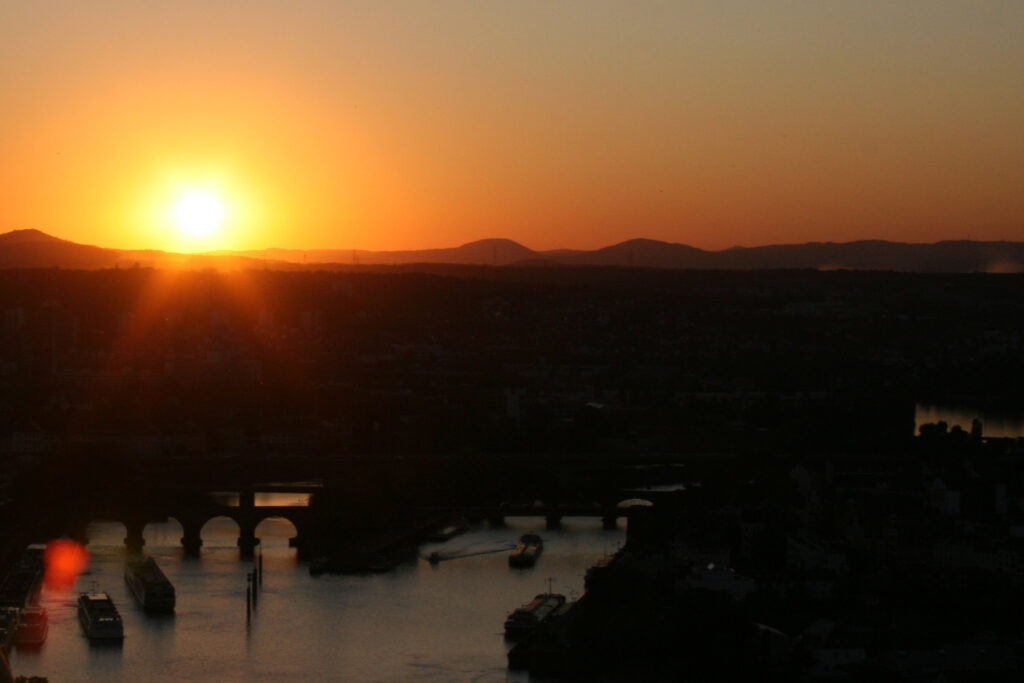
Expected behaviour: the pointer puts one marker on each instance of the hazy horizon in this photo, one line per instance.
(443, 247)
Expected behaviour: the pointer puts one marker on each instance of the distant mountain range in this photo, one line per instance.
(35, 249)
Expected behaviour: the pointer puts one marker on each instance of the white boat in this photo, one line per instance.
(33, 625)
(99, 617)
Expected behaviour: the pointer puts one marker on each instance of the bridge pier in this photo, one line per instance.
(133, 540)
(247, 540)
(192, 540)
(247, 546)
(301, 545)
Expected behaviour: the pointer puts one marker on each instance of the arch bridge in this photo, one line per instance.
(194, 509)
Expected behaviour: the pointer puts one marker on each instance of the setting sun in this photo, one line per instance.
(198, 213)
(197, 207)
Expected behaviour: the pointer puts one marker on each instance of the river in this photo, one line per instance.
(417, 622)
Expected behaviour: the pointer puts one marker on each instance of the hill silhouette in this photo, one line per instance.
(35, 249)
(642, 252)
(500, 252)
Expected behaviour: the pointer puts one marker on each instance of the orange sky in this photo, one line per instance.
(400, 125)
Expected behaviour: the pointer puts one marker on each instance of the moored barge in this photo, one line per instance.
(525, 619)
(149, 585)
(526, 551)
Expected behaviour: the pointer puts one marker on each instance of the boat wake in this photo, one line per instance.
(465, 551)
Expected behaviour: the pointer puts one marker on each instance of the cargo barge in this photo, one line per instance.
(525, 619)
(526, 551)
(149, 585)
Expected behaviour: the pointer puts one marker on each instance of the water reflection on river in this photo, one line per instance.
(418, 622)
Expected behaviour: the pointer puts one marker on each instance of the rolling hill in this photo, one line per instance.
(35, 249)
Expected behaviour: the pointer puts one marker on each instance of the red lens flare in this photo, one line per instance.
(65, 560)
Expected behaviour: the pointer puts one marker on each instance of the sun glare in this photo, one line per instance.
(198, 213)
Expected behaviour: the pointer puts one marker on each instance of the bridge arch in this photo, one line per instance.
(163, 532)
(216, 529)
(276, 526)
(627, 503)
(107, 530)
(297, 522)
(276, 531)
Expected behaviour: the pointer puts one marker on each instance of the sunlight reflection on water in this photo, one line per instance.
(417, 622)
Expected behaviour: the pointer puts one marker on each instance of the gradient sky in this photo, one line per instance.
(429, 123)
